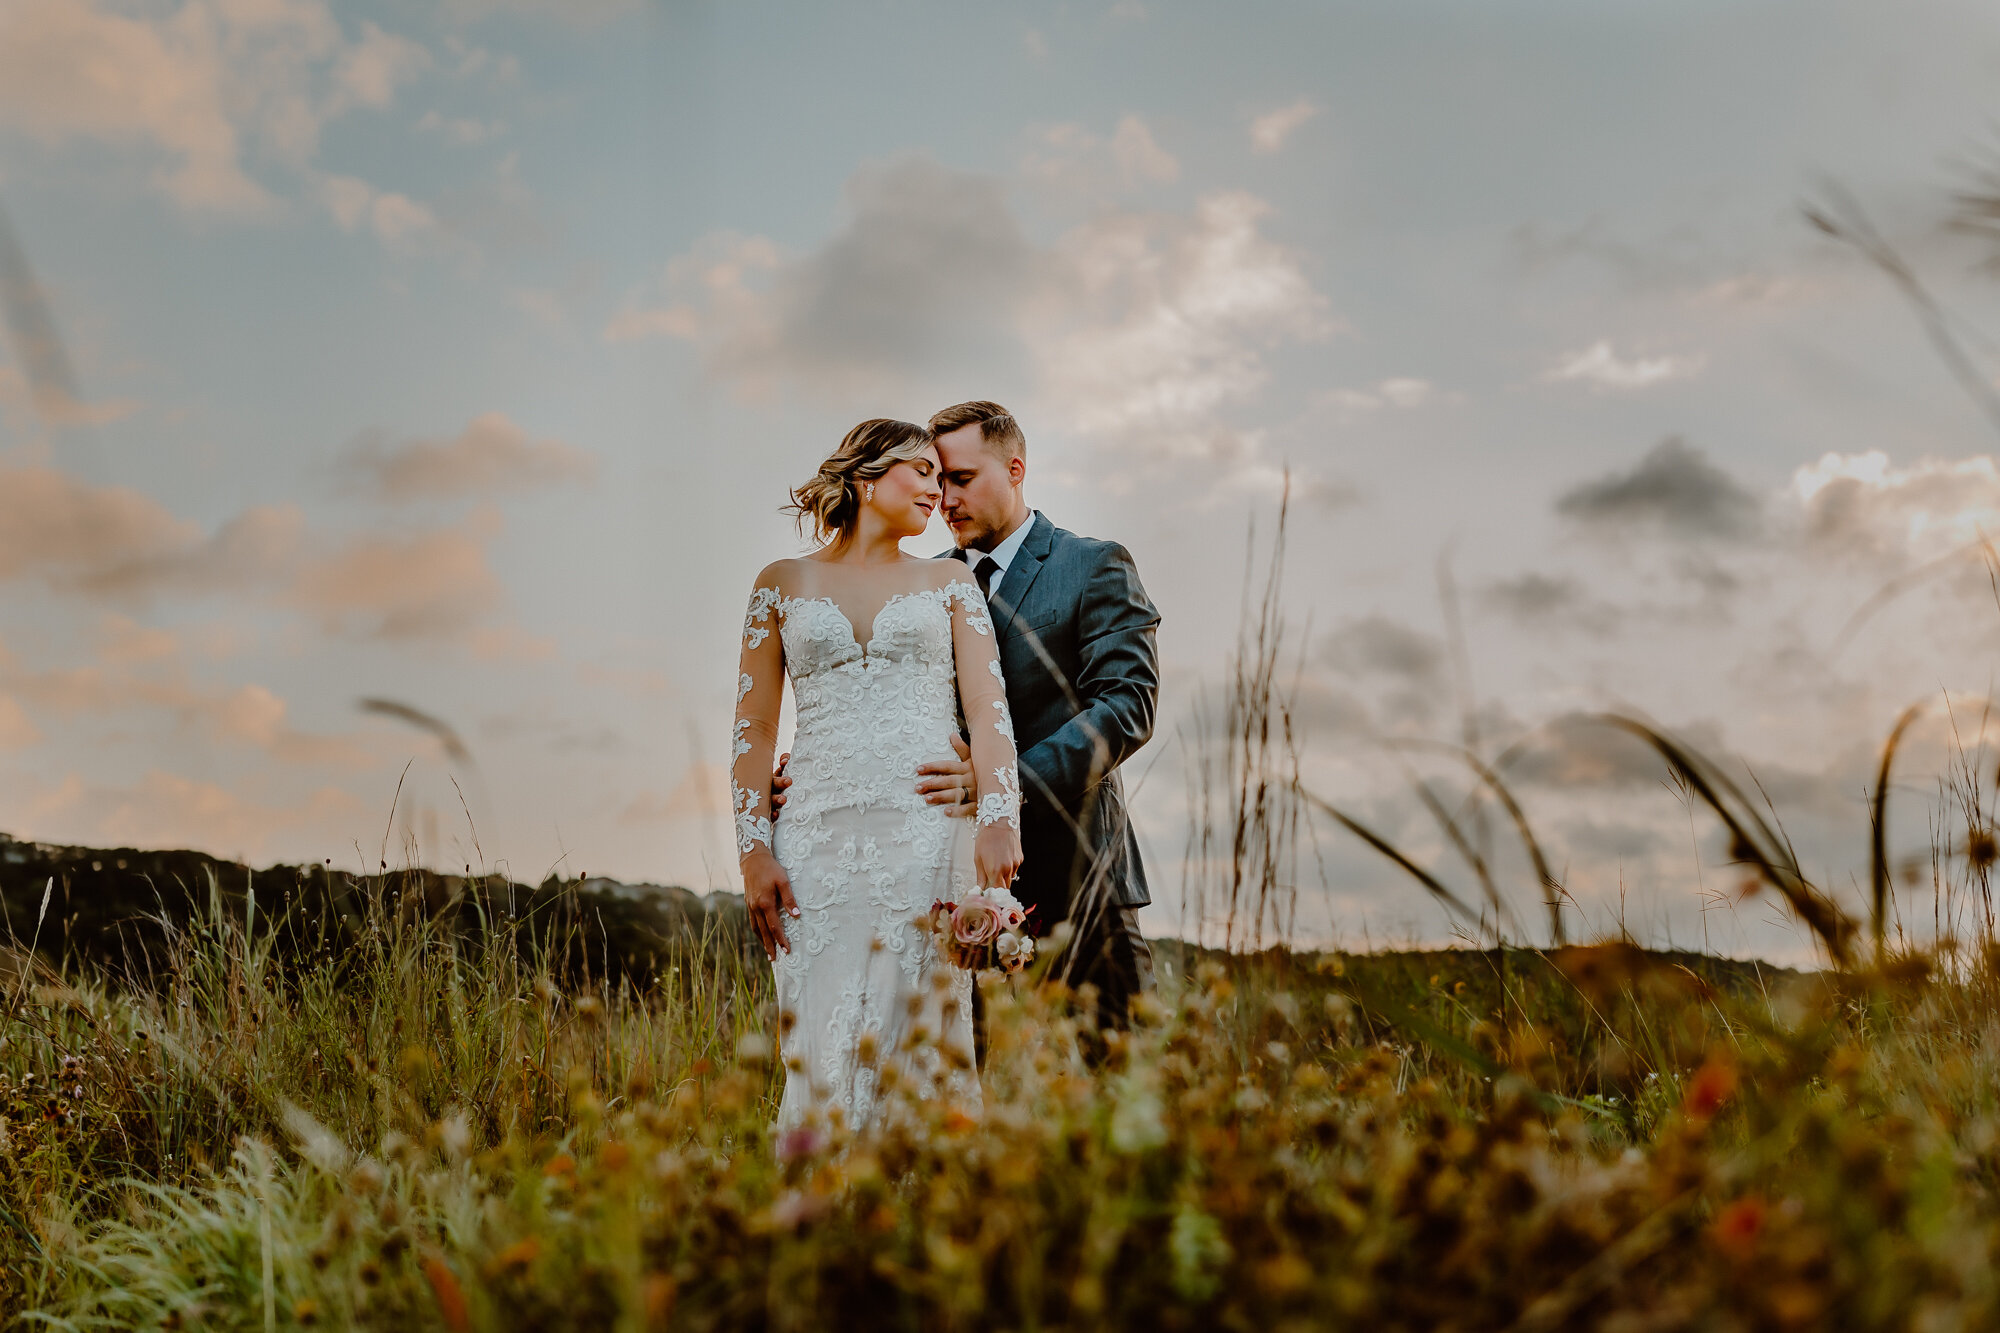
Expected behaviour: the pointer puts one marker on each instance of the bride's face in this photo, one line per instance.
(908, 494)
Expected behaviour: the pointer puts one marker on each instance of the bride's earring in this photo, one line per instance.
(867, 490)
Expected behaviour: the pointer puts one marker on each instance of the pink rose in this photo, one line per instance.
(977, 922)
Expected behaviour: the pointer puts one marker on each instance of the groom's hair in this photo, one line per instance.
(997, 427)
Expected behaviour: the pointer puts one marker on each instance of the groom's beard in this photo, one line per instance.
(983, 538)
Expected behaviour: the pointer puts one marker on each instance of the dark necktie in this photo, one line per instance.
(984, 572)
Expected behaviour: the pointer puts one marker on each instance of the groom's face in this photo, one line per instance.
(981, 488)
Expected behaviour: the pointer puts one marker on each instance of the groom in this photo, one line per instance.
(1076, 637)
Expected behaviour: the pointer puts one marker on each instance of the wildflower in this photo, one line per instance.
(450, 1299)
(1711, 1088)
(516, 1257)
(801, 1141)
(792, 1210)
(1736, 1228)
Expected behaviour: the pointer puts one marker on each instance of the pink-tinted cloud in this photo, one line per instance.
(250, 716)
(66, 530)
(403, 587)
(17, 732)
(198, 90)
(491, 456)
(114, 544)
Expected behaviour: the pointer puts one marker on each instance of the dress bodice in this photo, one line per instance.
(868, 713)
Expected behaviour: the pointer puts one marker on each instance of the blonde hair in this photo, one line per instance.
(998, 430)
(831, 498)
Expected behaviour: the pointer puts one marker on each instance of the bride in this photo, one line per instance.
(883, 650)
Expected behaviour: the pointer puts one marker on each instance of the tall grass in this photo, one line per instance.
(1477, 1139)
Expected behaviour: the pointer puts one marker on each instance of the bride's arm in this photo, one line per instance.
(760, 686)
(982, 691)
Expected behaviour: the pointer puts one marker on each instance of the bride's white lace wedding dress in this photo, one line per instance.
(867, 856)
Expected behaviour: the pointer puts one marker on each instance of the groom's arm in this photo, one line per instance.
(1117, 687)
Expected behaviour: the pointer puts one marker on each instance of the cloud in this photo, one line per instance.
(68, 70)
(246, 552)
(422, 585)
(117, 545)
(1138, 328)
(1600, 366)
(71, 532)
(465, 131)
(923, 276)
(1673, 490)
(196, 88)
(16, 731)
(1269, 131)
(368, 71)
(491, 456)
(1576, 751)
(1375, 645)
(395, 220)
(1397, 392)
(1158, 321)
(509, 643)
(582, 13)
(1862, 504)
(1544, 601)
(1071, 159)
(248, 715)
(123, 641)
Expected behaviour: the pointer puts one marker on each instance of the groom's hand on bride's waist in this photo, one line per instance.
(949, 782)
(779, 781)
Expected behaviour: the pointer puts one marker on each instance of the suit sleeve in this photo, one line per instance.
(1117, 688)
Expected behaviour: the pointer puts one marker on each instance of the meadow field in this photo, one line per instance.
(393, 1102)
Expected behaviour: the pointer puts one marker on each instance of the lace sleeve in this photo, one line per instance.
(760, 684)
(982, 692)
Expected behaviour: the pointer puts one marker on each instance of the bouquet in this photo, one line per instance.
(984, 929)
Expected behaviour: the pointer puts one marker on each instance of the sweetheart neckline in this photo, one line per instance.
(853, 635)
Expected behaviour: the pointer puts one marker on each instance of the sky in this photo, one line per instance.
(397, 400)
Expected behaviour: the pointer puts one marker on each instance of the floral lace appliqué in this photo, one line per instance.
(1003, 806)
(974, 602)
(755, 621)
(751, 827)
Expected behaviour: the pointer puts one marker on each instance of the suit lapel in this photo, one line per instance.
(1020, 575)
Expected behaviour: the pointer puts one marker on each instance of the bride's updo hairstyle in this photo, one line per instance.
(831, 498)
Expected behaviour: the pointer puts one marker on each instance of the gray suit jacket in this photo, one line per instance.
(1076, 633)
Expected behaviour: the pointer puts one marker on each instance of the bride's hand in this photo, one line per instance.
(996, 855)
(766, 888)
